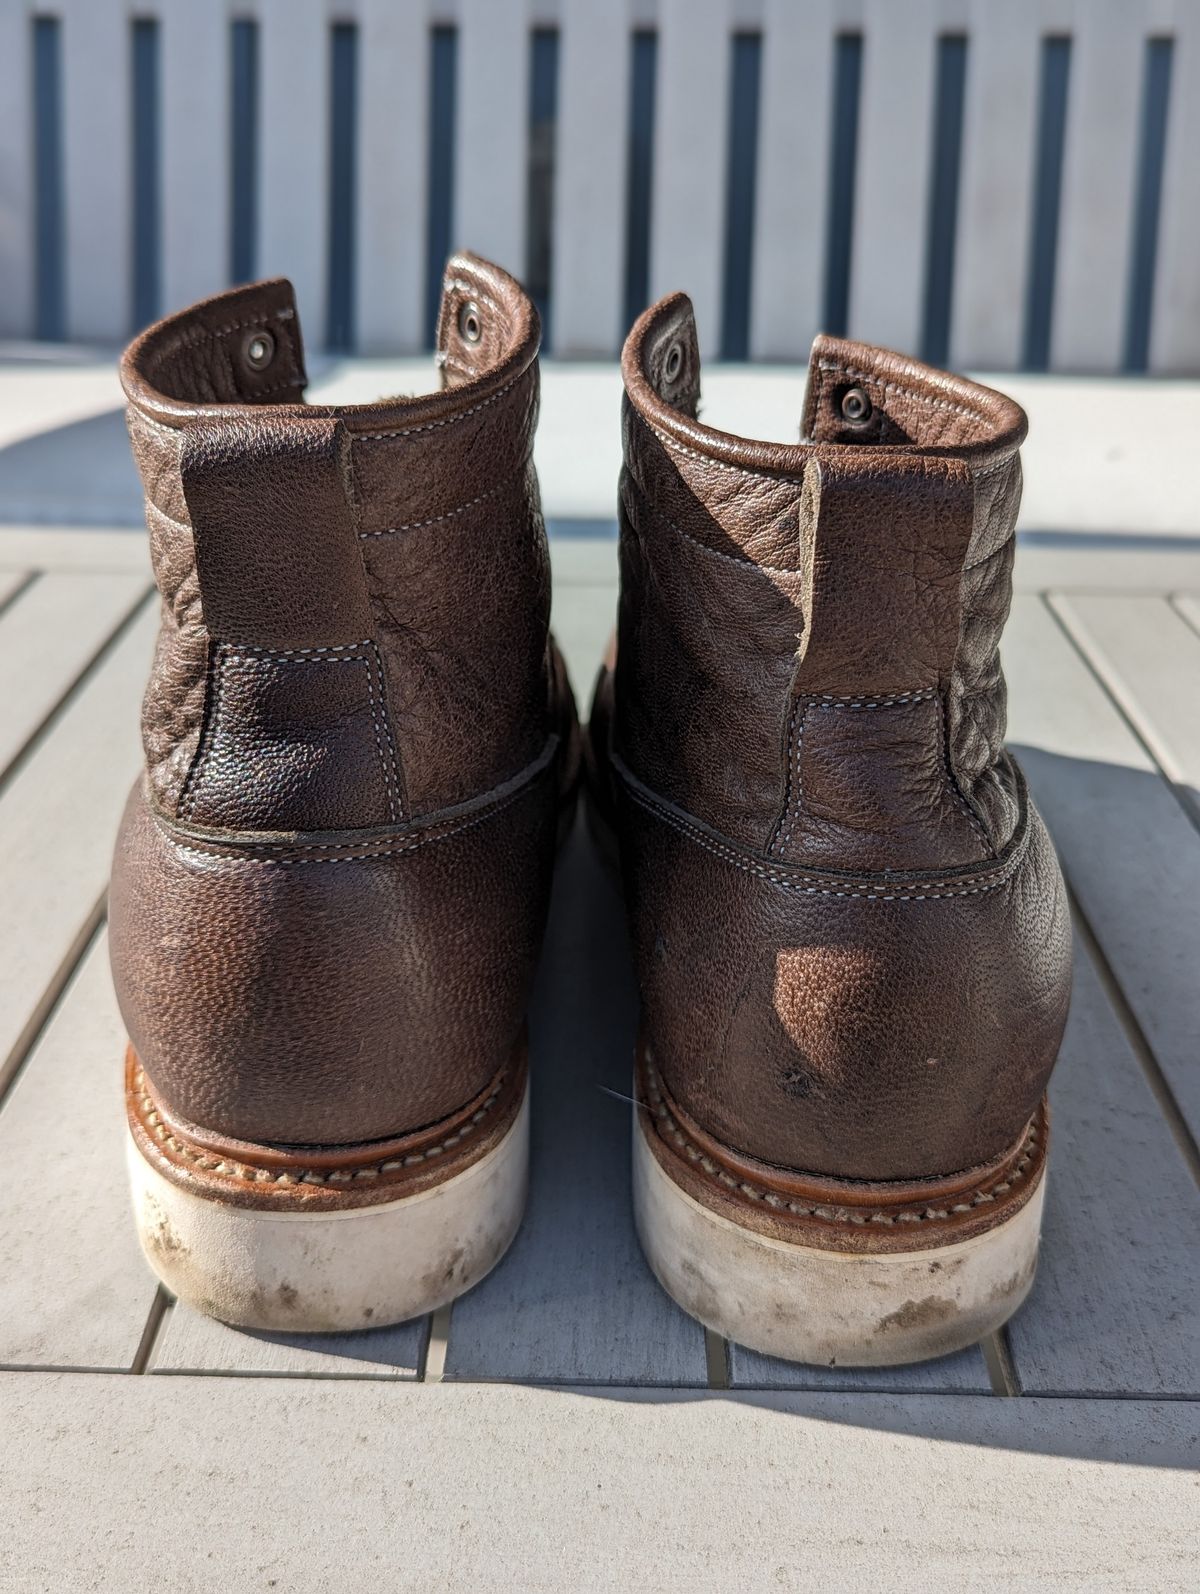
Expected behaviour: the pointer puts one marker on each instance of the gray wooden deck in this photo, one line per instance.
(564, 1426)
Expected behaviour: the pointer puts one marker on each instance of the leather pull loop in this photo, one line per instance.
(886, 544)
(277, 549)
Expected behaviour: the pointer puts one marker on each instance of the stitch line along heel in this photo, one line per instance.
(307, 1243)
(871, 1283)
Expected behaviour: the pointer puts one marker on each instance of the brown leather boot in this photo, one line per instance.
(330, 888)
(851, 931)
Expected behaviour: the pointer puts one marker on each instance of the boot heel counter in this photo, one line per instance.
(318, 989)
(857, 1027)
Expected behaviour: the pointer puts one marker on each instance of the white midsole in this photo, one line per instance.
(826, 1307)
(321, 1272)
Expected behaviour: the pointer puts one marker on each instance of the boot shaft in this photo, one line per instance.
(850, 930)
(823, 615)
(355, 600)
(328, 895)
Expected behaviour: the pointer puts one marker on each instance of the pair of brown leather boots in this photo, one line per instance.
(851, 932)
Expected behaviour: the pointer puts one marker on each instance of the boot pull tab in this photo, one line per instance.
(672, 360)
(277, 550)
(886, 544)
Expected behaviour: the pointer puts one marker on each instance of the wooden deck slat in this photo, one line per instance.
(574, 1302)
(47, 637)
(76, 1290)
(1148, 656)
(1128, 848)
(1115, 1309)
(964, 1374)
(496, 1488)
(58, 816)
(190, 1343)
(11, 581)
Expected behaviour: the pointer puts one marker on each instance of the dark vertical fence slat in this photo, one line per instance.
(943, 196)
(1156, 94)
(145, 144)
(740, 191)
(343, 159)
(1047, 194)
(539, 210)
(50, 309)
(243, 150)
(443, 74)
(843, 159)
(640, 172)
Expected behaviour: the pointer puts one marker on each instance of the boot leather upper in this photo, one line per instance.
(329, 889)
(851, 931)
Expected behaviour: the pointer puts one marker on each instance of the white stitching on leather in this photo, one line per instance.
(152, 1122)
(450, 420)
(450, 514)
(337, 653)
(899, 387)
(670, 1129)
(988, 881)
(888, 700)
(795, 794)
(373, 705)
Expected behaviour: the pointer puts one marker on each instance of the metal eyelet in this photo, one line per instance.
(470, 325)
(258, 349)
(856, 407)
(673, 364)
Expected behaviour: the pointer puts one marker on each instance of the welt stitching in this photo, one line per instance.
(450, 420)
(436, 520)
(239, 1170)
(669, 1127)
(989, 881)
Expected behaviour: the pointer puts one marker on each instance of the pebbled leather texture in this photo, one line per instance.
(330, 889)
(852, 934)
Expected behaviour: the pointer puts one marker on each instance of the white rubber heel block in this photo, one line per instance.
(334, 1271)
(830, 1308)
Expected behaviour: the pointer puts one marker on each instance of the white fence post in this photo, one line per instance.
(194, 106)
(691, 141)
(96, 153)
(1103, 102)
(492, 131)
(796, 106)
(393, 121)
(1175, 328)
(595, 63)
(896, 138)
(887, 263)
(293, 188)
(995, 191)
(17, 251)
